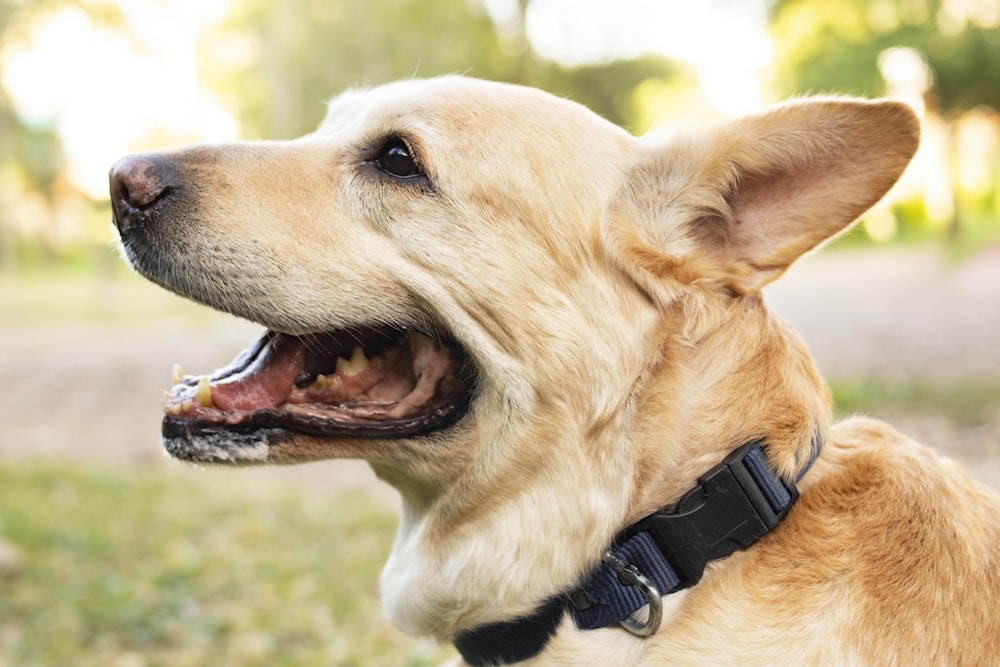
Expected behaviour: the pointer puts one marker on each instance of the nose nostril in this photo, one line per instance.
(137, 182)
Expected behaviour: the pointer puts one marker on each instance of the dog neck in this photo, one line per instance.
(482, 549)
(733, 505)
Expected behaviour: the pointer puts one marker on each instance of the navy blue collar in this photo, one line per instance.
(732, 506)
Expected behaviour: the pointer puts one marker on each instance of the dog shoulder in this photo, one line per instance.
(904, 534)
(881, 478)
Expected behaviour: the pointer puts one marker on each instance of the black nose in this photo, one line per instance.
(137, 183)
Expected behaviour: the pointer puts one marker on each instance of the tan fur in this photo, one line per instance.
(607, 290)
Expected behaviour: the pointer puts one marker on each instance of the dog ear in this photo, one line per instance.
(738, 203)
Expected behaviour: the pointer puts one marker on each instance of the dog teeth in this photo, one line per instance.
(169, 407)
(357, 363)
(204, 394)
(178, 374)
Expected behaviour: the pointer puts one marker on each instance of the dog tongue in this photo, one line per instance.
(267, 381)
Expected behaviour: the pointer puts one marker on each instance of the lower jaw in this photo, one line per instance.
(267, 447)
(227, 447)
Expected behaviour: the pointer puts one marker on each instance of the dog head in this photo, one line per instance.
(533, 324)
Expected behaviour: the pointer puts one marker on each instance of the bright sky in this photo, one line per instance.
(101, 97)
(116, 91)
(726, 41)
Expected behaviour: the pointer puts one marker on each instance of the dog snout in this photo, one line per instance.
(137, 183)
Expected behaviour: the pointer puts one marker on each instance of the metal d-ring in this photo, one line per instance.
(630, 575)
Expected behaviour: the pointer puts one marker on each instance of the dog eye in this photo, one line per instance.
(395, 158)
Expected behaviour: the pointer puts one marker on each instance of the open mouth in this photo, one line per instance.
(381, 382)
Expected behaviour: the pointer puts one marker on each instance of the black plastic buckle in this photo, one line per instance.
(725, 512)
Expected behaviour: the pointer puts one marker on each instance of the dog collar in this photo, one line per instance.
(731, 507)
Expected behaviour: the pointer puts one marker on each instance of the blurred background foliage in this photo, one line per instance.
(84, 81)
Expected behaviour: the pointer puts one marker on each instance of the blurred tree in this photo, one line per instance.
(606, 89)
(946, 51)
(279, 63)
(32, 150)
(29, 156)
(824, 45)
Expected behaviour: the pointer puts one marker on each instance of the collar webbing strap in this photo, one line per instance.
(511, 641)
(732, 506)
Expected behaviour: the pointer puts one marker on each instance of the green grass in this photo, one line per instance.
(975, 231)
(111, 299)
(143, 568)
(967, 401)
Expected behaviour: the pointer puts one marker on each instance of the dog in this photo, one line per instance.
(549, 336)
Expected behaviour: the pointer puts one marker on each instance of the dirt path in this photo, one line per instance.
(901, 315)
(83, 366)
(896, 314)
